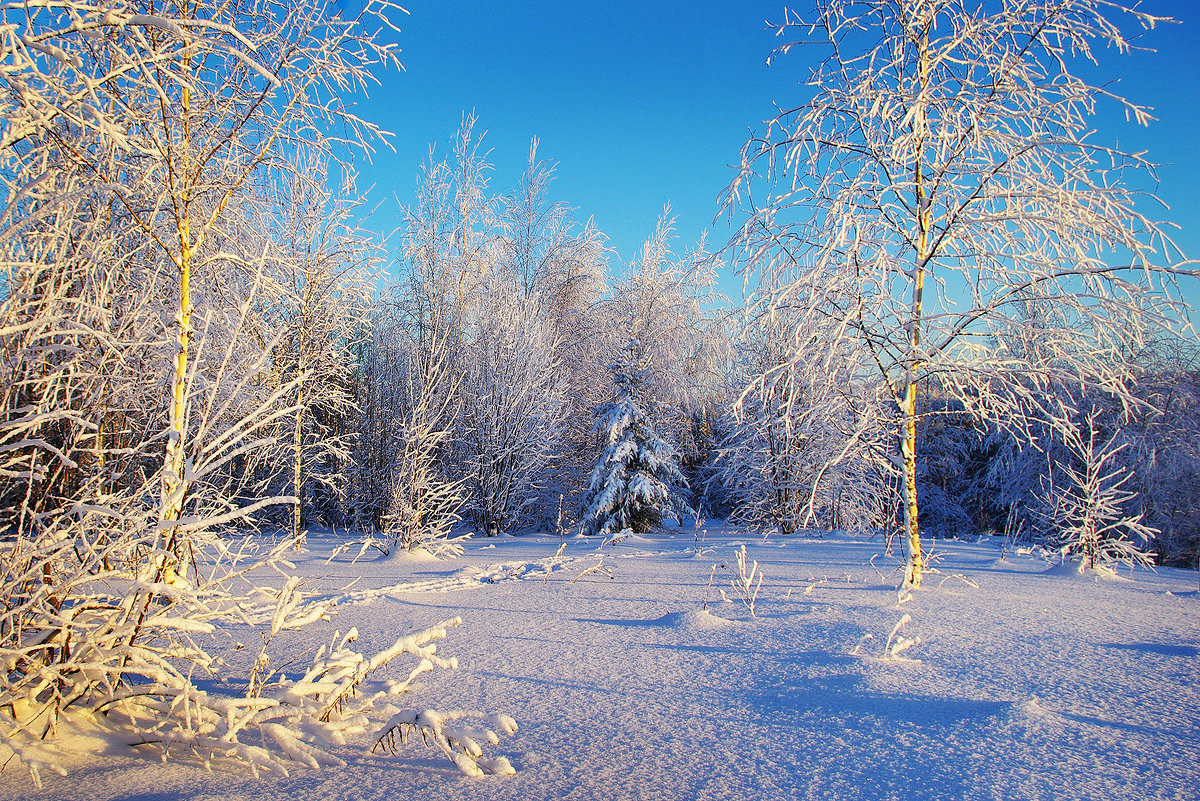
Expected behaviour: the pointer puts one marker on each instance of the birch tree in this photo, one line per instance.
(322, 272)
(197, 103)
(941, 177)
(558, 266)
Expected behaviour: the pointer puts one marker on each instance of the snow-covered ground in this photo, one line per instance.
(1023, 683)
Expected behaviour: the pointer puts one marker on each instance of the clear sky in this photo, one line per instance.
(642, 103)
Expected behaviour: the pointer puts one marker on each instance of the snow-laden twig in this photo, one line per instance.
(596, 568)
(461, 744)
(970, 582)
(708, 588)
(556, 560)
(747, 581)
(897, 643)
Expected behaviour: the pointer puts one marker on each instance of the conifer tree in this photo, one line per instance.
(637, 478)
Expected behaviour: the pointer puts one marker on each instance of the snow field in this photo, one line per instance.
(1028, 685)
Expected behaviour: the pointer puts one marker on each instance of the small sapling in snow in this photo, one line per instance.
(746, 582)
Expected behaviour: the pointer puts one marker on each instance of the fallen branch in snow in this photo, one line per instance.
(862, 641)
(883, 578)
(596, 568)
(897, 643)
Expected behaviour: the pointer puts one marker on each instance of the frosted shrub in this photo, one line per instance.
(121, 652)
(746, 582)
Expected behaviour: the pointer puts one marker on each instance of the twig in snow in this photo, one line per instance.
(596, 568)
(897, 643)
(711, 573)
(555, 561)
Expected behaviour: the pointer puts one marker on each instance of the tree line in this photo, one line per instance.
(194, 312)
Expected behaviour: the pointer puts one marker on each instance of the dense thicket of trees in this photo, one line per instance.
(189, 301)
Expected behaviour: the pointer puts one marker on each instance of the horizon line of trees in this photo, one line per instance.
(191, 314)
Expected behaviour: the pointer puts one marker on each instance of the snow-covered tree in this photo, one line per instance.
(667, 306)
(448, 245)
(637, 478)
(381, 366)
(425, 499)
(941, 179)
(549, 254)
(322, 276)
(514, 410)
(177, 116)
(803, 436)
(1092, 510)
(559, 265)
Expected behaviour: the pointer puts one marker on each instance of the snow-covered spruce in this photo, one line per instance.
(637, 478)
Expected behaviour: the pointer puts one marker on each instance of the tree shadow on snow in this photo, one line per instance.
(1162, 649)
(841, 698)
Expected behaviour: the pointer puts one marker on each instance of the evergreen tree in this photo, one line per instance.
(637, 478)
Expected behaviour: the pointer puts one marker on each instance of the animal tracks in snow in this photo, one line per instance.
(471, 577)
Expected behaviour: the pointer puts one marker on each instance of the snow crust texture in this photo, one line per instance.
(1016, 682)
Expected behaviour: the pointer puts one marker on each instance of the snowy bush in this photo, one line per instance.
(127, 652)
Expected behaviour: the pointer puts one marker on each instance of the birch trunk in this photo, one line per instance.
(173, 480)
(908, 405)
(298, 452)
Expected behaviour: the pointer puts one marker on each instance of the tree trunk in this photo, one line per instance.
(908, 407)
(173, 489)
(908, 451)
(297, 466)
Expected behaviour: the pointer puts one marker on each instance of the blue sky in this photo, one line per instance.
(645, 103)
